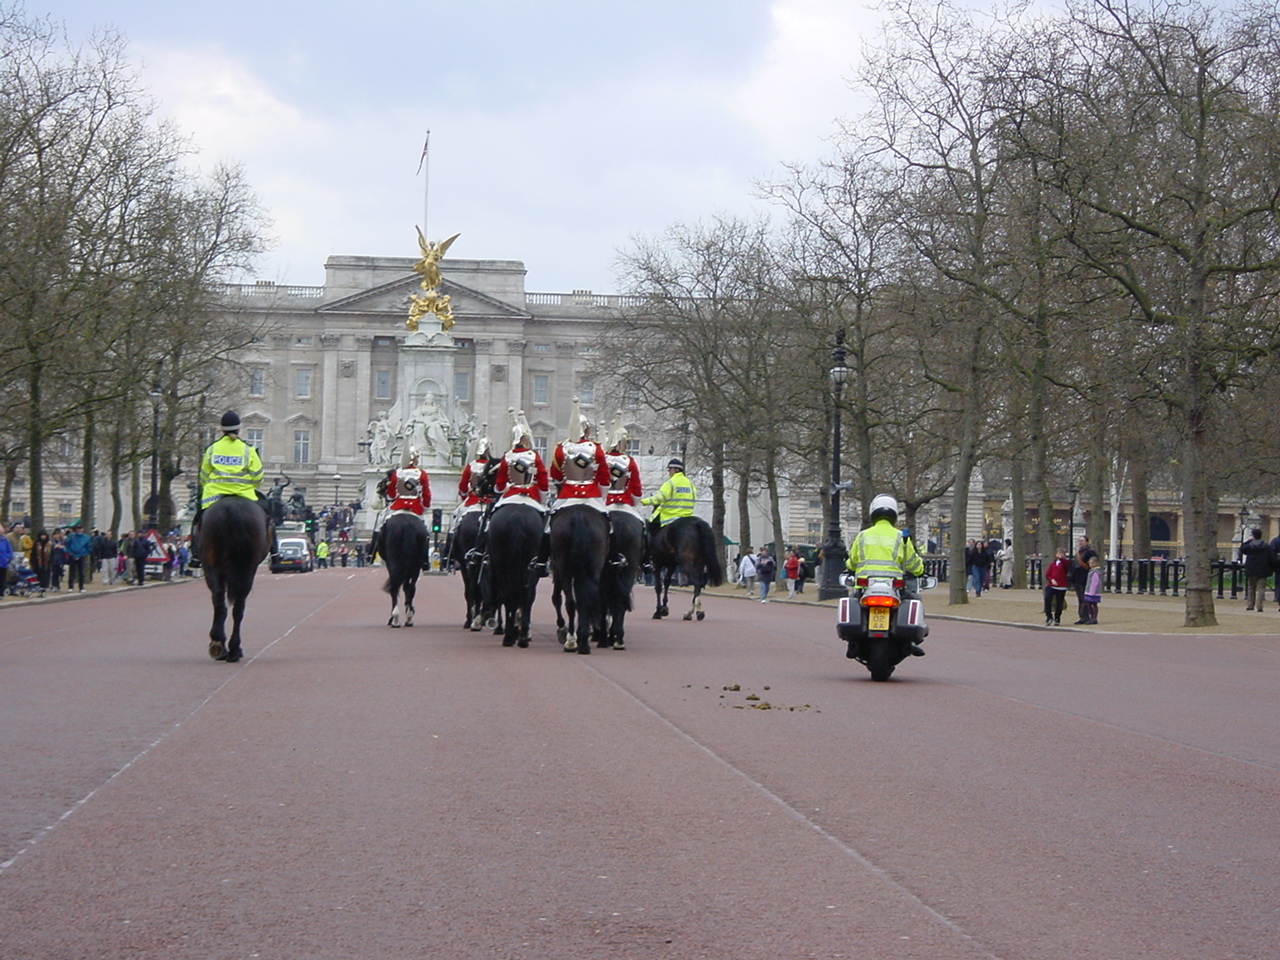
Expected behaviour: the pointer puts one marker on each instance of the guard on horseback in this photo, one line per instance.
(521, 478)
(475, 489)
(624, 473)
(406, 488)
(230, 467)
(580, 470)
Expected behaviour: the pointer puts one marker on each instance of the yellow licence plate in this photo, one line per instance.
(878, 618)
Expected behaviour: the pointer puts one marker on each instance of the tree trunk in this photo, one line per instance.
(88, 465)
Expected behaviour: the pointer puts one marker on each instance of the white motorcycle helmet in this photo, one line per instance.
(885, 505)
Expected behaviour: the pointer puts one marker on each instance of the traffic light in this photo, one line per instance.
(436, 515)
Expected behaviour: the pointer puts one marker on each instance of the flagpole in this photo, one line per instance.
(424, 166)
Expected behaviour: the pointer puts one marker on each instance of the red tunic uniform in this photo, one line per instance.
(624, 475)
(409, 489)
(580, 469)
(466, 493)
(522, 473)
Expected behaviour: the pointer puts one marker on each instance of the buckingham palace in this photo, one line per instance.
(339, 380)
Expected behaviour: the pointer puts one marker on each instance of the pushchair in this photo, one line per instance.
(26, 583)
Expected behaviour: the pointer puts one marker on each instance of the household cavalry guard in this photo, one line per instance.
(578, 466)
(475, 490)
(521, 478)
(230, 467)
(407, 488)
(624, 473)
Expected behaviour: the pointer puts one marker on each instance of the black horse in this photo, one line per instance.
(579, 547)
(686, 544)
(403, 543)
(626, 544)
(508, 582)
(462, 551)
(234, 540)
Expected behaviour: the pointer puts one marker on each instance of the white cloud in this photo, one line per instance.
(801, 87)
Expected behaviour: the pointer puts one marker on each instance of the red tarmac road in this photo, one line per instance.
(353, 791)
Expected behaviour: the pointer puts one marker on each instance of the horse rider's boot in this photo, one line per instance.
(539, 564)
(193, 545)
(618, 559)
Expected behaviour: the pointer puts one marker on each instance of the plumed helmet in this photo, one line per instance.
(617, 440)
(675, 462)
(884, 505)
(578, 424)
(231, 420)
(520, 429)
(483, 445)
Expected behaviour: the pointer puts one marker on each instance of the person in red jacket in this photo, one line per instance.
(474, 490)
(1056, 581)
(409, 488)
(522, 472)
(578, 466)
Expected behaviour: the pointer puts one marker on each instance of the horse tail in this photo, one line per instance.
(711, 555)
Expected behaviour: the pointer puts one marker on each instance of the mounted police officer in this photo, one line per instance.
(675, 498)
(881, 550)
(230, 468)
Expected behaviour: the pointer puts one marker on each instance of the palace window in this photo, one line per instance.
(541, 388)
(540, 445)
(462, 386)
(304, 341)
(302, 383)
(257, 381)
(302, 446)
(253, 437)
(382, 384)
(633, 448)
(587, 390)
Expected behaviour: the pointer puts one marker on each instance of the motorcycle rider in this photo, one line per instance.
(881, 550)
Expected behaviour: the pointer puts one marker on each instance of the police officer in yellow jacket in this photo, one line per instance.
(230, 467)
(675, 498)
(881, 550)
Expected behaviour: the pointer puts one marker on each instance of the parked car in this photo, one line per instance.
(295, 554)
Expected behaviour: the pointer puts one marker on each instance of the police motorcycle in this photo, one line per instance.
(881, 623)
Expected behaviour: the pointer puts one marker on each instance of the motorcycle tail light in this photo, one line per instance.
(861, 582)
(899, 584)
(879, 601)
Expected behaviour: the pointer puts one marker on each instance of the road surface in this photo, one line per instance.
(727, 789)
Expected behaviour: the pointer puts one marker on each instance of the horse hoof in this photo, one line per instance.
(233, 656)
(619, 646)
(393, 622)
(570, 646)
(491, 622)
(687, 616)
(701, 615)
(509, 642)
(657, 614)
(217, 650)
(562, 634)
(476, 627)
(584, 648)
(522, 642)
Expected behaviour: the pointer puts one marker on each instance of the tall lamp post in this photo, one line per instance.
(153, 513)
(337, 479)
(1071, 537)
(833, 550)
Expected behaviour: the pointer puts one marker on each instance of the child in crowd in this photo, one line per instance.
(1092, 592)
(1056, 582)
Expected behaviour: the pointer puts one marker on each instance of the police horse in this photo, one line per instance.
(403, 545)
(579, 548)
(234, 540)
(686, 544)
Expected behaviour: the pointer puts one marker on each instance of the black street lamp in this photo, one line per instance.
(833, 550)
(1071, 537)
(337, 479)
(154, 504)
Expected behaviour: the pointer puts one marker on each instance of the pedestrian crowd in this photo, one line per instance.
(759, 572)
(67, 559)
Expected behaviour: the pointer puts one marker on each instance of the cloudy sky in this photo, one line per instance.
(560, 130)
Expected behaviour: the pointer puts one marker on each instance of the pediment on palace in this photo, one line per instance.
(393, 299)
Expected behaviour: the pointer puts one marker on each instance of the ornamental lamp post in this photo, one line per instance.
(337, 479)
(154, 504)
(833, 550)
